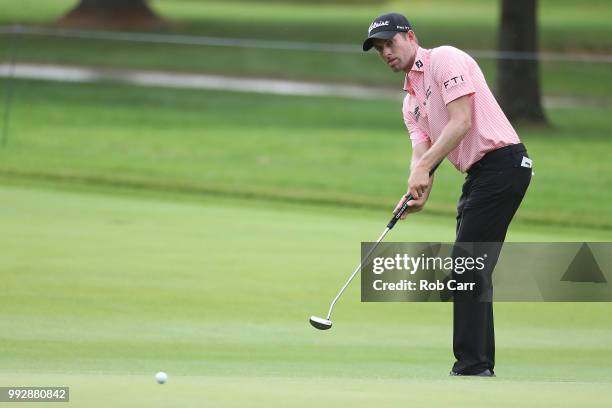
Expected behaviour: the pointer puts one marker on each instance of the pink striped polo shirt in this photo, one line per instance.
(439, 76)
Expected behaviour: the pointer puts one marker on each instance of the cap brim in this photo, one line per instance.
(383, 35)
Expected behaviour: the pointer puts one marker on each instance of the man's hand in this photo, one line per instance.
(419, 182)
(413, 205)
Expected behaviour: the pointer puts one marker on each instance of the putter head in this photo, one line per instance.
(320, 323)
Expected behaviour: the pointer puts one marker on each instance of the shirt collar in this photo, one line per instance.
(421, 58)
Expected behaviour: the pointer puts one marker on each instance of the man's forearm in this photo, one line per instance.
(450, 137)
(460, 121)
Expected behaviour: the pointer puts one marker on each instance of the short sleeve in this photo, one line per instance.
(417, 133)
(451, 71)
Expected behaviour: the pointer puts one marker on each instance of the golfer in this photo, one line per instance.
(450, 112)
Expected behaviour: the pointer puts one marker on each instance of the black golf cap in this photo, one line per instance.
(385, 27)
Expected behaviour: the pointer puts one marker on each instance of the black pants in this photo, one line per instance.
(492, 192)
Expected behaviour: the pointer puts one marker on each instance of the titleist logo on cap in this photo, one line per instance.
(377, 24)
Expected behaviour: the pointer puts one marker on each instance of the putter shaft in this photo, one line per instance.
(382, 236)
(396, 217)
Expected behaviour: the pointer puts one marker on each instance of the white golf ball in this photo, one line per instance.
(161, 377)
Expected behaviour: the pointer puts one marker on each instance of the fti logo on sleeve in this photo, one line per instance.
(453, 81)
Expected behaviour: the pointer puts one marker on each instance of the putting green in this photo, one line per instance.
(101, 291)
(99, 390)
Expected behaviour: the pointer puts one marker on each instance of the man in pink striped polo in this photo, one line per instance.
(450, 112)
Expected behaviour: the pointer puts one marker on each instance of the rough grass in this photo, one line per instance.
(470, 25)
(318, 150)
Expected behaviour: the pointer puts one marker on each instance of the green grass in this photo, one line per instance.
(102, 291)
(317, 150)
(194, 232)
(558, 78)
(120, 390)
(470, 25)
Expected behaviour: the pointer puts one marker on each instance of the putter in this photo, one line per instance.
(325, 324)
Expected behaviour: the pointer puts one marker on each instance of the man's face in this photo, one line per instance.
(397, 52)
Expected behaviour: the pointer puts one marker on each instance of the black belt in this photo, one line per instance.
(498, 154)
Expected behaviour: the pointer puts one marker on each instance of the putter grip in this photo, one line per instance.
(404, 206)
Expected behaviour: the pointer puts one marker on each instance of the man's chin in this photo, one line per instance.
(397, 67)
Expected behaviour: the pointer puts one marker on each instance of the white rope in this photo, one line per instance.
(280, 45)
